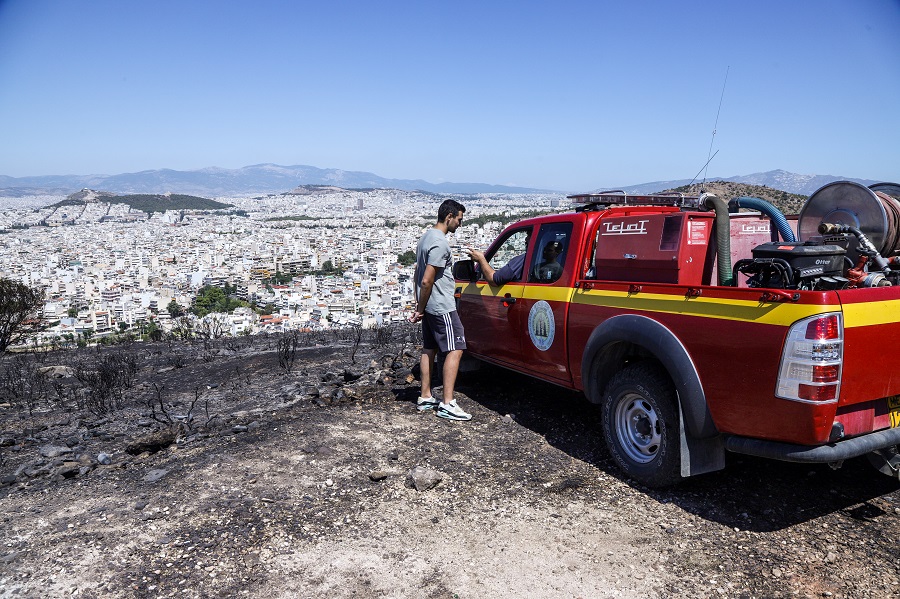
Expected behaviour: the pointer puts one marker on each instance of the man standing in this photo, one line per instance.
(436, 308)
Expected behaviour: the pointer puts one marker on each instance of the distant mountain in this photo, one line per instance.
(249, 180)
(271, 178)
(778, 179)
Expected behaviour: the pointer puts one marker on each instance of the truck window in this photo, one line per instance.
(550, 253)
(516, 244)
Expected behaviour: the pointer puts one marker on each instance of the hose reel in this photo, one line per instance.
(873, 210)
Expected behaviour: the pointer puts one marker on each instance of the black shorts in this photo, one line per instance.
(443, 332)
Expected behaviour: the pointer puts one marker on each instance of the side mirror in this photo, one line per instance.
(465, 270)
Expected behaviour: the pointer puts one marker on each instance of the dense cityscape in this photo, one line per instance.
(323, 258)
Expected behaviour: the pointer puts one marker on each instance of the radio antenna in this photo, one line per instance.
(709, 155)
(701, 170)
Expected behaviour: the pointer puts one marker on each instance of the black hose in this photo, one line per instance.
(723, 237)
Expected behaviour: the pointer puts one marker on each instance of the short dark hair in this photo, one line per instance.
(449, 208)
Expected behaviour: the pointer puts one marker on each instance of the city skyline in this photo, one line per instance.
(570, 97)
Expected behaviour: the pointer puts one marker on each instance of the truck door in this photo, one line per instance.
(491, 315)
(545, 302)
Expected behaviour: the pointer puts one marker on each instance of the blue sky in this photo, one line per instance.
(560, 95)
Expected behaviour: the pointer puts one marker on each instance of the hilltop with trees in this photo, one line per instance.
(788, 203)
(143, 202)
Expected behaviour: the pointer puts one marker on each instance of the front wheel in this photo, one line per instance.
(640, 424)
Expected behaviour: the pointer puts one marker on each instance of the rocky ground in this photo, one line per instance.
(326, 481)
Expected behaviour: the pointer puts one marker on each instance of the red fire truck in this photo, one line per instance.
(701, 329)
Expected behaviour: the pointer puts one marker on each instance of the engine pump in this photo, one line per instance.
(816, 264)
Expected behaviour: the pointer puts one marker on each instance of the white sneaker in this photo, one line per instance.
(423, 404)
(452, 411)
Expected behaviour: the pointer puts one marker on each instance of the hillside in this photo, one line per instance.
(219, 468)
(788, 203)
(143, 202)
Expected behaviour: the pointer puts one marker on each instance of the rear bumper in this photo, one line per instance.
(816, 454)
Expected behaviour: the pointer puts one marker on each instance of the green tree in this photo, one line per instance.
(407, 258)
(175, 309)
(213, 299)
(20, 307)
(154, 332)
(72, 312)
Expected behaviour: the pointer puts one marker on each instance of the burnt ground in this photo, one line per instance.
(296, 484)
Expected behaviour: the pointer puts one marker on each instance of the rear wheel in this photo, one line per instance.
(640, 424)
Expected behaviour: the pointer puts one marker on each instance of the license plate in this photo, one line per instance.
(893, 404)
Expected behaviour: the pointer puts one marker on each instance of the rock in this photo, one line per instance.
(56, 372)
(11, 557)
(54, 451)
(155, 475)
(423, 479)
(377, 475)
(152, 442)
(104, 459)
(351, 375)
(239, 428)
(67, 470)
(9, 479)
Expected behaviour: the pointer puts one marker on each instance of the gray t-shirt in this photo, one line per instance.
(433, 249)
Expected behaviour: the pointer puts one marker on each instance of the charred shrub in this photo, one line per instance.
(287, 351)
(105, 380)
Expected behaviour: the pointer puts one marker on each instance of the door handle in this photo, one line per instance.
(508, 300)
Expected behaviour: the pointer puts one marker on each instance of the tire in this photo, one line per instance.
(641, 424)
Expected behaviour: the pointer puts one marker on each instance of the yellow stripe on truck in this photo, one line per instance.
(783, 314)
(773, 313)
(868, 314)
(550, 294)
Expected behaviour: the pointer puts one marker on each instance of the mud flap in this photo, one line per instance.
(699, 456)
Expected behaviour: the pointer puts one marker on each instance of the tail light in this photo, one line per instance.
(811, 363)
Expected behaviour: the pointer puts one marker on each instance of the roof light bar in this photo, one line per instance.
(620, 198)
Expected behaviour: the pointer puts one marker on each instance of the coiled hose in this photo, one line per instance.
(781, 223)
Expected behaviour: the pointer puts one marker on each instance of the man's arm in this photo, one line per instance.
(486, 268)
(428, 278)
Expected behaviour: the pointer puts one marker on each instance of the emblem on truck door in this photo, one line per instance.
(541, 325)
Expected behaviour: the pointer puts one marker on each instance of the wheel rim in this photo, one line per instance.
(638, 428)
